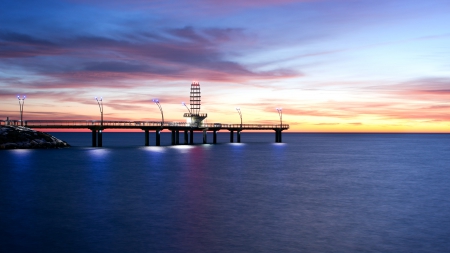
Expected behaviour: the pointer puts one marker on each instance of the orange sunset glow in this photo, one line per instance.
(333, 66)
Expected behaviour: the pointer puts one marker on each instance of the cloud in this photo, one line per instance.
(114, 67)
(319, 112)
(326, 124)
(434, 90)
(68, 95)
(206, 7)
(23, 39)
(14, 45)
(182, 53)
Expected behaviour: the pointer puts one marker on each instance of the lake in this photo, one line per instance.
(311, 193)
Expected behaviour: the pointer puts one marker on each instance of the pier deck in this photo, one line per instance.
(97, 128)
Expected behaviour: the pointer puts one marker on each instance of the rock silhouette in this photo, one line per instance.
(13, 137)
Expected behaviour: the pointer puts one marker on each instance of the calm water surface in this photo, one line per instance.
(313, 193)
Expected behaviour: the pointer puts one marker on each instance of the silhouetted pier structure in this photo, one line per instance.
(176, 128)
(193, 123)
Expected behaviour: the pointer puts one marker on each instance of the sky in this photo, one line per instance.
(332, 65)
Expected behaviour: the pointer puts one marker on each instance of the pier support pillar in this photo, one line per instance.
(277, 136)
(186, 137)
(173, 137)
(215, 136)
(100, 138)
(158, 137)
(238, 136)
(177, 137)
(204, 137)
(191, 137)
(147, 138)
(94, 138)
(231, 136)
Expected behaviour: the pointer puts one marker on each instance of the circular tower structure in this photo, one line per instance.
(195, 98)
(196, 118)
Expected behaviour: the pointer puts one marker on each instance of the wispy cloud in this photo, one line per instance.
(325, 62)
(184, 53)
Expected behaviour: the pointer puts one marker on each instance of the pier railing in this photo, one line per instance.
(89, 123)
(138, 124)
(106, 124)
(9, 122)
(201, 115)
(245, 126)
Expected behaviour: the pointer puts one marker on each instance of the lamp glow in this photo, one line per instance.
(100, 106)
(21, 103)
(240, 114)
(183, 103)
(156, 101)
(280, 113)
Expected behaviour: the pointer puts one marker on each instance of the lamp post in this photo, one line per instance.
(156, 101)
(190, 115)
(21, 102)
(240, 114)
(183, 103)
(100, 105)
(280, 113)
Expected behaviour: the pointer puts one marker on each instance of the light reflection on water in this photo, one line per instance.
(20, 151)
(154, 149)
(182, 148)
(98, 152)
(236, 144)
(21, 159)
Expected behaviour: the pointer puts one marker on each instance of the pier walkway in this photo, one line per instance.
(97, 127)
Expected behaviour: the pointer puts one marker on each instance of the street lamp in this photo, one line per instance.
(183, 103)
(280, 113)
(156, 101)
(21, 102)
(100, 105)
(240, 114)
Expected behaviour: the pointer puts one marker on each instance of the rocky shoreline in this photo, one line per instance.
(19, 137)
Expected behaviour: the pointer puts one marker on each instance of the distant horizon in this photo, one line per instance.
(227, 132)
(247, 131)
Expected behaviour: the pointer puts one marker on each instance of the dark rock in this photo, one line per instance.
(9, 145)
(12, 137)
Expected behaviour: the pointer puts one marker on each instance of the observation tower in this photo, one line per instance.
(194, 116)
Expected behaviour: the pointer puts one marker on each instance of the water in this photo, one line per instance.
(313, 193)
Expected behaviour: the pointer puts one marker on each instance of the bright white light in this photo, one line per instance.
(96, 152)
(155, 149)
(21, 151)
(182, 147)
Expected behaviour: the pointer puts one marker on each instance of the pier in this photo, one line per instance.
(177, 128)
(194, 123)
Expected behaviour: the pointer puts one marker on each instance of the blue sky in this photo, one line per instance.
(331, 65)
